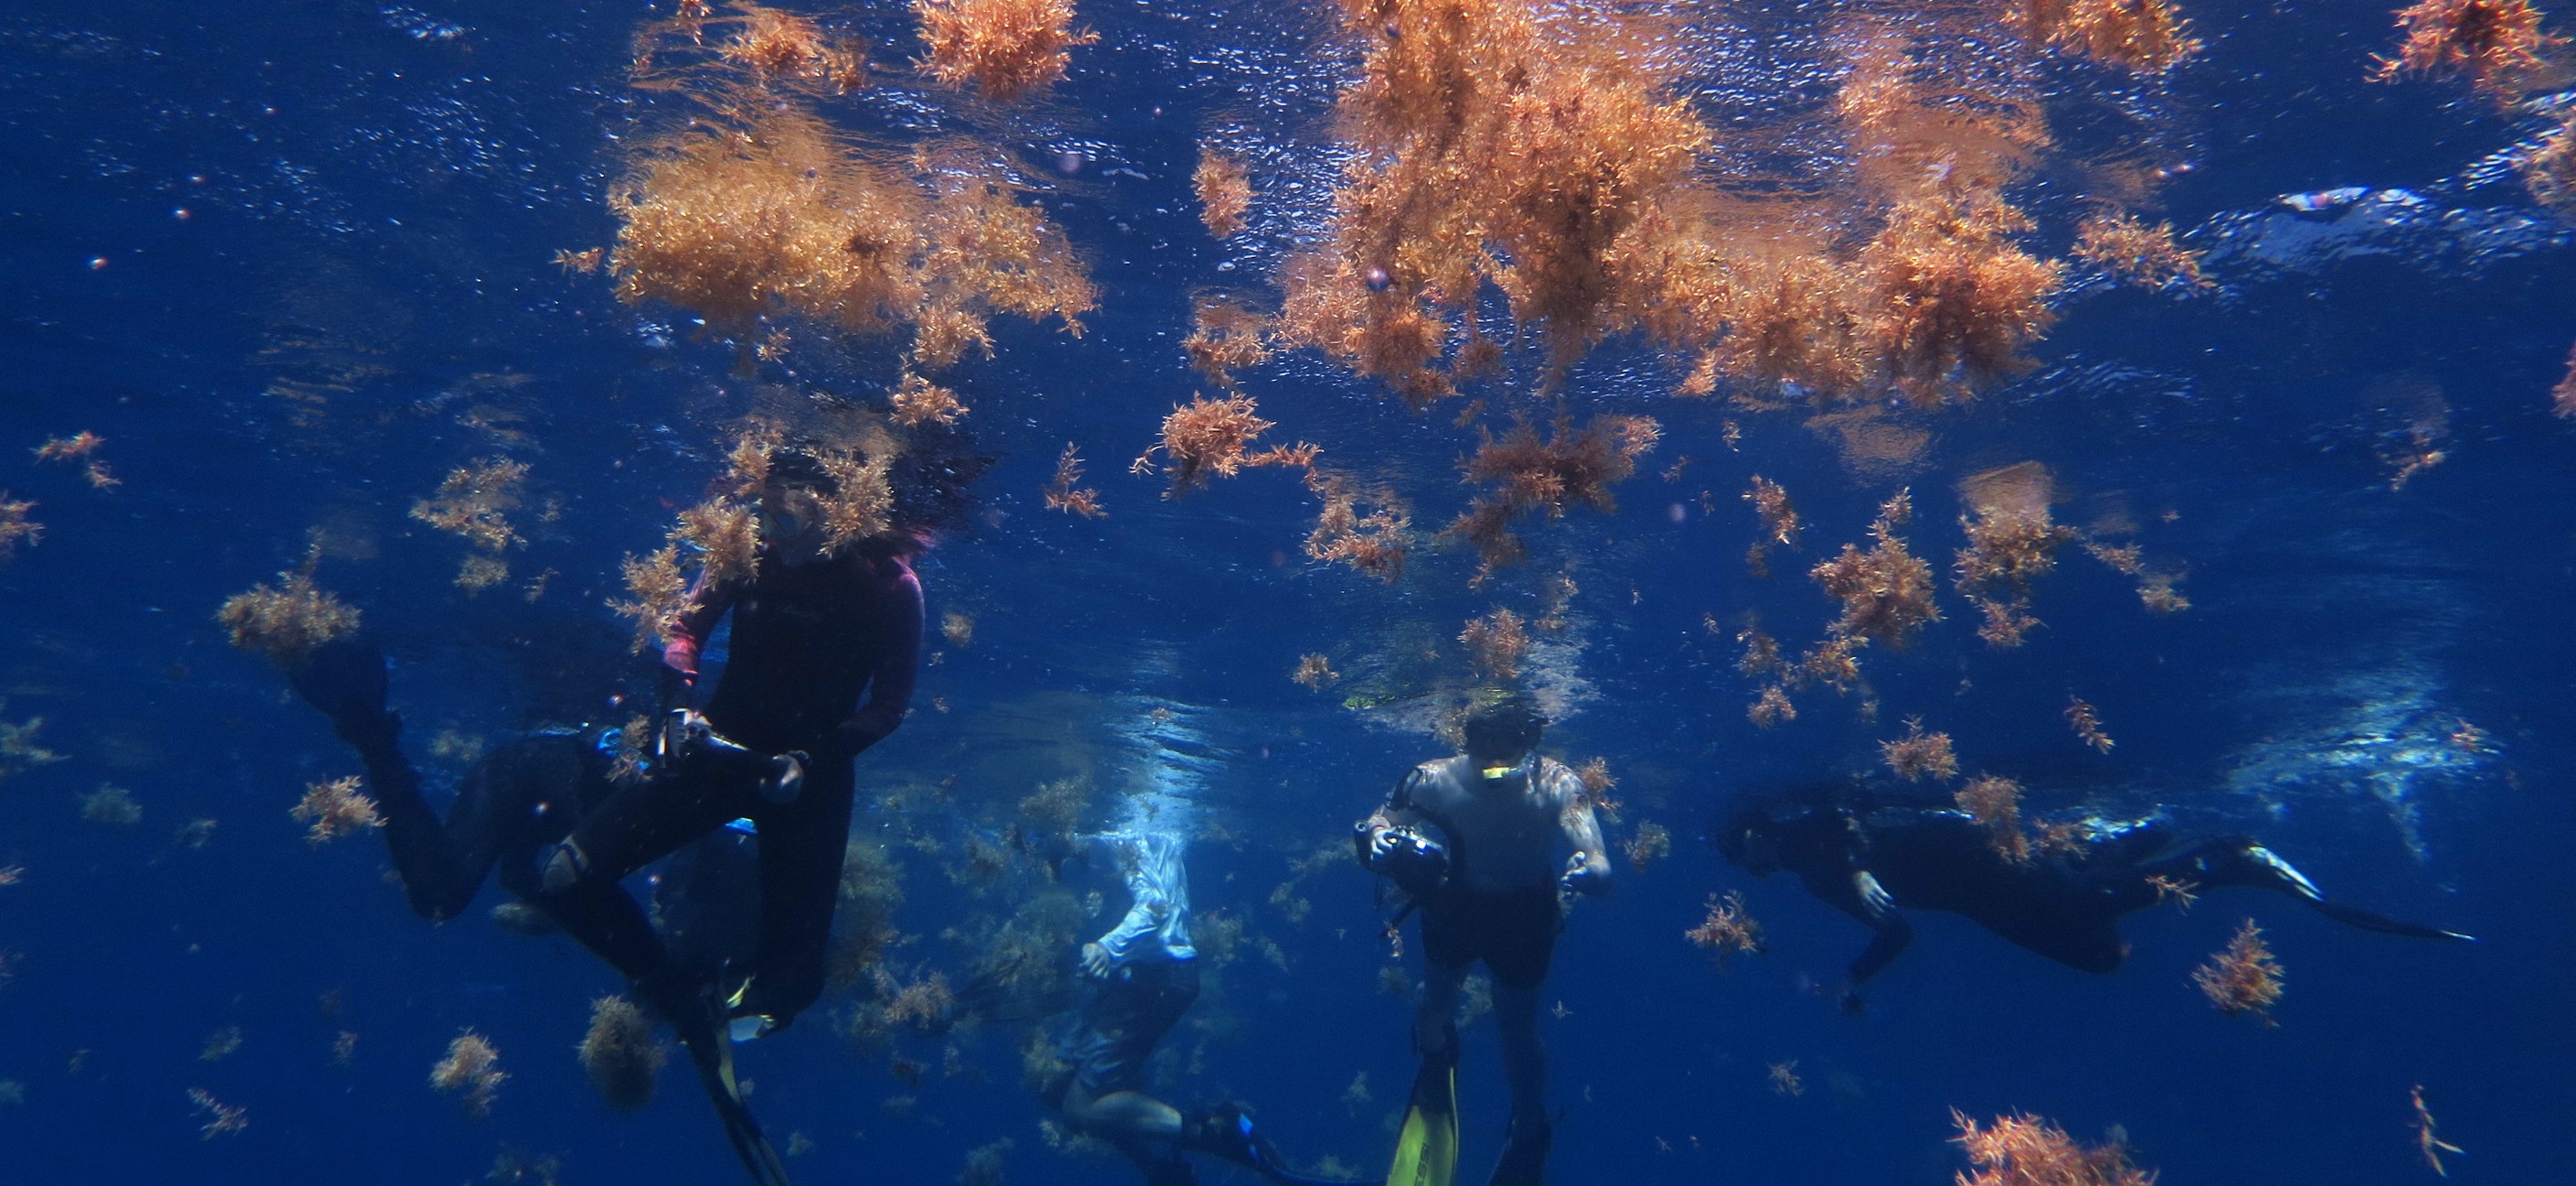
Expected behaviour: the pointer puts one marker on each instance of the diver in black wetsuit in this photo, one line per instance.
(1872, 857)
(513, 805)
(813, 629)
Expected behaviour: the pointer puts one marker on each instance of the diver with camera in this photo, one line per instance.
(1472, 841)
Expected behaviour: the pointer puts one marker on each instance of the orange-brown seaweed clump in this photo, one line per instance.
(1066, 492)
(1003, 48)
(619, 1053)
(1918, 754)
(1207, 438)
(772, 212)
(1375, 543)
(474, 503)
(661, 595)
(2496, 44)
(2242, 978)
(335, 809)
(288, 619)
(1496, 643)
(1728, 930)
(1771, 707)
(1225, 191)
(1653, 842)
(1508, 143)
(16, 527)
(1313, 672)
(2431, 1146)
(1523, 474)
(1779, 523)
(473, 1067)
(2146, 36)
(2132, 252)
(1886, 592)
(1955, 301)
(777, 46)
(222, 1119)
(2021, 1150)
(1996, 804)
(2011, 542)
(1224, 338)
(80, 446)
(2087, 724)
(918, 401)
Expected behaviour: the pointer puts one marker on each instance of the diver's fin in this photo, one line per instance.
(713, 1057)
(1524, 1160)
(2383, 924)
(1426, 1148)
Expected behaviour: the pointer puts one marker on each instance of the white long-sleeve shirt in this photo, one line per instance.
(1157, 924)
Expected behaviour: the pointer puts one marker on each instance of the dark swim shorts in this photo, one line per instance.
(1124, 1021)
(1513, 933)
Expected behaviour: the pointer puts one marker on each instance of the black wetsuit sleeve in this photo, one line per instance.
(1894, 933)
(898, 651)
(708, 602)
(439, 876)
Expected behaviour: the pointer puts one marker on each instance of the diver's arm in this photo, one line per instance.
(898, 665)
(1588, 870)
(708, 601)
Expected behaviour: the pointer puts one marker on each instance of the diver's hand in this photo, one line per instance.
(1872, 894)
(1382, 842)
(681, 655)
(1584, 877)
(1095, 961)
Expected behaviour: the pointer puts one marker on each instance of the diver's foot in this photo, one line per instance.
(565, 868)
(1224, 1130)
(1525, 1147)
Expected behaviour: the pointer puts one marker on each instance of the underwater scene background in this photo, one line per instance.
(304, 267)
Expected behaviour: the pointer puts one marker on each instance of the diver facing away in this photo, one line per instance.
(1146, 975)
(1873, 857)
(513, 804)
(1489, 887)
(814, 630)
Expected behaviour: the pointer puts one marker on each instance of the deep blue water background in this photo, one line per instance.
(381, 188)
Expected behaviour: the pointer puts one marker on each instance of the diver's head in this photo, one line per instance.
(1501, 734)
(1749, 839)
(792, 501)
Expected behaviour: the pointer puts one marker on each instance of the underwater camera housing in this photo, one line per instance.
(1416, 863)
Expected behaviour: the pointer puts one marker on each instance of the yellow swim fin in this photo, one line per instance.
(1426, 1150)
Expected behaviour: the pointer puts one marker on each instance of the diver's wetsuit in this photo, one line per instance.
(513, 803)
(1872, 858)
(521, 799)
(808, 640)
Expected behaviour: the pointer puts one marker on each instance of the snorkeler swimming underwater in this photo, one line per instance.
(512, 805)
(1872, 856)
(2162, 403)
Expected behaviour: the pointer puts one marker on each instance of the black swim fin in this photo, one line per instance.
(1524, 1160)
(1426, 1148)
(2383, 924)
(712, 1054)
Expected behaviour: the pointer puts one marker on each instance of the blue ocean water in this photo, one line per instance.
(292, 262)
